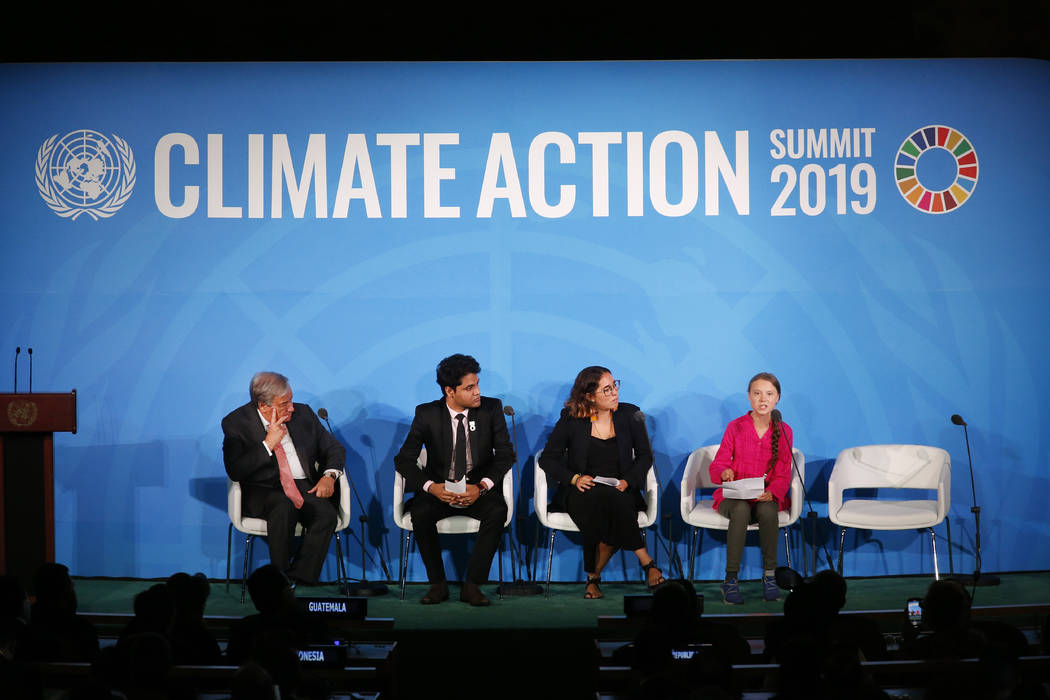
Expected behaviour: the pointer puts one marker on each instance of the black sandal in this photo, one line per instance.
(646, 568)
(597, 593)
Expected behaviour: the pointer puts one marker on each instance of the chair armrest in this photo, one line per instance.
(689, 485)
(233, 501)
(539, 497)
(944, 488)
(399, 497)
(652, 496)
(797, 486)
(508, 493)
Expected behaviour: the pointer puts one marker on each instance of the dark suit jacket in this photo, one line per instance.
(245, 455)
(490, 445)
(565, 453)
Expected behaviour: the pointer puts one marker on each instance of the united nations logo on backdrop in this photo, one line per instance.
(936, 169)
(85, 172)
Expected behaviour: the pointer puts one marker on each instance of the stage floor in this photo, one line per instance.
(566, 608)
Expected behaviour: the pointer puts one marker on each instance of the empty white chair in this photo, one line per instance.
(555, 521)
(453, 525)
(699, 513)
(890, 467)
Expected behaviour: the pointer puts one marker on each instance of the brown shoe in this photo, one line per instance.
(472, 594)
(437, 593)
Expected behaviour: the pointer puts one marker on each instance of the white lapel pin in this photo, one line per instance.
(471, 426)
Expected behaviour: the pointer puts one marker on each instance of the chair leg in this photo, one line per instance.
(550, 563)
(690, 551)
(229, 541)
(407, 552)
(936, 570)
(500, 555)
(951, 564)
(787, 547)
(842, 543)
(340, 566)
(535, 553)
(644, 532)
(247, 555)
(401, 564)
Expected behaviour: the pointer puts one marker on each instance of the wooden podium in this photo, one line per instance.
(28, 423)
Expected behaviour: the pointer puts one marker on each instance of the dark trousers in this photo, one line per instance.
(318, 516)
(490, 510)
(741, 514)
(604, 514)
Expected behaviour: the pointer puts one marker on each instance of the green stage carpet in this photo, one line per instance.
(566, 607)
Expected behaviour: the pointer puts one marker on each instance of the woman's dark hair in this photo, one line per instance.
(772, 379)
(580, 405)
(453, 368)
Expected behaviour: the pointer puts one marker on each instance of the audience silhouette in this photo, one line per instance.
(676, 654)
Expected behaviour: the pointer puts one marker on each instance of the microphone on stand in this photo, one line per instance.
(30, 370)
(669, 547)
(363, 587)
(777, 417)
(518, 587)
(978, 579)
(18, 350)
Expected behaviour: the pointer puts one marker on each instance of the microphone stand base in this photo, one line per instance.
(521, 588)
(365, 589)
(982, 579)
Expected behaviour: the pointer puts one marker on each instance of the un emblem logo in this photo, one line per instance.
(85, 173)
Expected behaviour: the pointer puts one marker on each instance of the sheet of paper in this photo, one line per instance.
(744, 489)
(456, 487)
(607, 480)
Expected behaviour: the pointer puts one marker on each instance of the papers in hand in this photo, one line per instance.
(456, 487)
(744, 489)
(607, 480)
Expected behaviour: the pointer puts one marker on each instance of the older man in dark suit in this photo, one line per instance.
(465, 435)
(288, 466)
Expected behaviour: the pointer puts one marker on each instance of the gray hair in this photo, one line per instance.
(266, 386)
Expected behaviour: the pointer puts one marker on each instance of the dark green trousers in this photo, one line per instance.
(741, 514)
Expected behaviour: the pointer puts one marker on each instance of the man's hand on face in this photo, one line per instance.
(277, 429)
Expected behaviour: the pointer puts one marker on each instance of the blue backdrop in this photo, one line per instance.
(169, 229)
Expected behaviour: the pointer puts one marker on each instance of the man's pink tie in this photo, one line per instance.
(287, 482)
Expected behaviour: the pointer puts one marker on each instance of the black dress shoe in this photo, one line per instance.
(472, 594)
(437, 593)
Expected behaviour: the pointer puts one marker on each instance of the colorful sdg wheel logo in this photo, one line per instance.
(936, 169)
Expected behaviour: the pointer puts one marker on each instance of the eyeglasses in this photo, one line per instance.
(613, 388)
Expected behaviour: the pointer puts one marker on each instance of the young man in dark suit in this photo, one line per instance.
(465, 434)
(288, 466)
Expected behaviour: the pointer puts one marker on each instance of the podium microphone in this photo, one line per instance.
(30, 370)
(17, 351)
(978, 579)
(364, 587)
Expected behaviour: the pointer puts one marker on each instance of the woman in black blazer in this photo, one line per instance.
(597, 437)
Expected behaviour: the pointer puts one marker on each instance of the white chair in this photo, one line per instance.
(256, 527)
(453, 525)
(555, 521)
(699, 513)
(890, 467)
